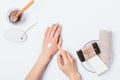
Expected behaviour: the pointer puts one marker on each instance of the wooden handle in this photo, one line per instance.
(25, 8)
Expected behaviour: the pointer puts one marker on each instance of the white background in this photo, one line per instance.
(81, 21)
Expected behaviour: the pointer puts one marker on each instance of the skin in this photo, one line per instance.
(52, 36)
(68, 65)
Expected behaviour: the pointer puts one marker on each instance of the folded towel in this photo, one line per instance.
(88, 51)
(105, 44)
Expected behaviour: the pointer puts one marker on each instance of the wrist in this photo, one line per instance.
(75, 77)
(44, 56)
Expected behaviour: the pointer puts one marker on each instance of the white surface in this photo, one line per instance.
(98, 65)
(81, 21)
(15, 35)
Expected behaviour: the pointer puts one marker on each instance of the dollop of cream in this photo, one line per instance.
(49, 45)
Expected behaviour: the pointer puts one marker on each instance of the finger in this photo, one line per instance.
(63, 54)
(60, 41)
(46, 33)
(58, 32)
(59, 61)
(50, 29)
(54, 30)
(60, 49)
(69, 56)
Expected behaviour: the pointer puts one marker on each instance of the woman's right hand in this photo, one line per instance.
(68, 65)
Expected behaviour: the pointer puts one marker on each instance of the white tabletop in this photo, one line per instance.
(81, 21)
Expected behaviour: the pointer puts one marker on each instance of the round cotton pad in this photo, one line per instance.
(15, 35)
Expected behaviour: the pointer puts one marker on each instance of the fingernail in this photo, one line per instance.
(57, 23)
(60, 25)
(53, 24)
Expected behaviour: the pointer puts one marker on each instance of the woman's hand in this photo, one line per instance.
(52, 38)
(68, 65)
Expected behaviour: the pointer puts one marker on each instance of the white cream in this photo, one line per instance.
(49, 45)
